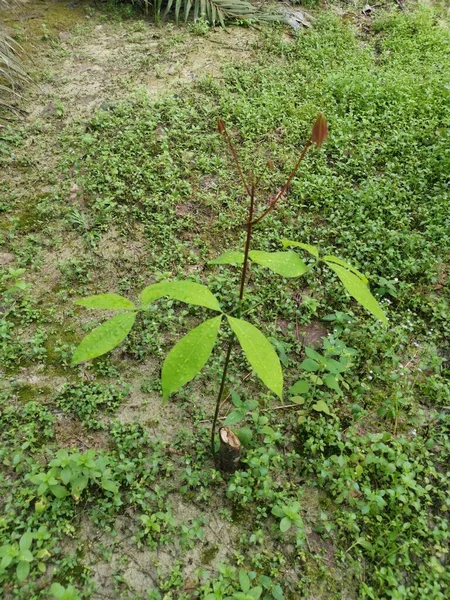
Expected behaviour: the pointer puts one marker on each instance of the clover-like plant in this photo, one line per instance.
(189, 355)
(289, 515)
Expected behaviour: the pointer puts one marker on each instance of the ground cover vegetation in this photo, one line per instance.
(343, 487)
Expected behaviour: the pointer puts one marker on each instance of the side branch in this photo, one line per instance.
(282, 191)
(223, 130)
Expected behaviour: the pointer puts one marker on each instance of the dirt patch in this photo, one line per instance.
(117, 250)
(149, 410)
(6, 258)
(310, 335)
(40, 384)
(86, 61)
(71, 434)
(116, 557)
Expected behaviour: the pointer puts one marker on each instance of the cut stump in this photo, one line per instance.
(230, 450)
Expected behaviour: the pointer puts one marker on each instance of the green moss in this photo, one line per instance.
(208, 555)
(51, 19)
(28, 221)
(239, 514)
(27, 392)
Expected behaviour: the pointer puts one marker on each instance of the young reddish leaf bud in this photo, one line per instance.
(220, 126)
(320, 130)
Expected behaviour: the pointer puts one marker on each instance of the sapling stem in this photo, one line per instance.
(318, 135)
(251, 191)
(247, 247)
(219, 398)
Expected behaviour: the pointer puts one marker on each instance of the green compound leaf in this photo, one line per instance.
(232, 257)
(277, 593)
(236, 416)
(26, 556)
(311, 353)
(189, 356)
(278, 511)
(107, 302)
(255, 592)
(331, 383)
(105, 337)
(297, 400)
(184, 291)
(311, 249)
(78, 485)
(245, 435)
(66, 475)
(287, 264)
(338, 261)
(58, 491)
(6, 560)
(260, 354)
(110, 486)
(359, 291)
(57, 590)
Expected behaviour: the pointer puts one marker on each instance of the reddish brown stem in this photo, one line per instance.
(236, 159)
(247, 245)
(241, 296)
(284, 188)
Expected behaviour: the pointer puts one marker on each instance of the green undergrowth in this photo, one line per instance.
(343, 490)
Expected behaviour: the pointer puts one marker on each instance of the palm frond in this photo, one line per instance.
(221, 10)
(12, 75)
(214, 11)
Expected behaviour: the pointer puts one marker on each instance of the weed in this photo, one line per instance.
(85, 400)
(64, 593)
(77, 471)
